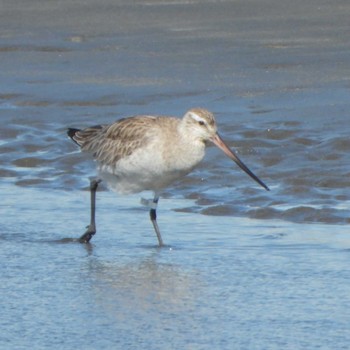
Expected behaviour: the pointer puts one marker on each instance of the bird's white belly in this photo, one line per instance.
(145, 170)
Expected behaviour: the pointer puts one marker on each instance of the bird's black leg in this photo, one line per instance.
(91, 229)
(153, 216)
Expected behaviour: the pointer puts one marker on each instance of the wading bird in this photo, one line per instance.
(149, 153)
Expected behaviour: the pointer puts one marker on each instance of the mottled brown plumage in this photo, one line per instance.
(110, 143)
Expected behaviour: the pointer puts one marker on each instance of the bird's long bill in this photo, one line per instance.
(218, 141)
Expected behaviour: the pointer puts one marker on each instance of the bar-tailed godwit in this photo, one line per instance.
(148, 153)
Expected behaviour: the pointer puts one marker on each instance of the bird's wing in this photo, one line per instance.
(109, 143)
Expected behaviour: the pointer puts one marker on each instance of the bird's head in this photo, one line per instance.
(201, 124)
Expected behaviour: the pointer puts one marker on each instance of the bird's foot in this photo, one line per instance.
(86, 237)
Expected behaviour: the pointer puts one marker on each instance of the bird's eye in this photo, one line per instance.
(201, 122)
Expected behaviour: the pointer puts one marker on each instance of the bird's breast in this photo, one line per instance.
(152, 168)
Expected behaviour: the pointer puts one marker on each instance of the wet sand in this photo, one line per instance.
(240, 261)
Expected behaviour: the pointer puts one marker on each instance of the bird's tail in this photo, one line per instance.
(71, 133)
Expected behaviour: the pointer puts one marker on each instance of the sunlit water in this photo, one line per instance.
(243, 268)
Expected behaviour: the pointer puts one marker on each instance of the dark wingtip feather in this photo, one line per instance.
(71, 133)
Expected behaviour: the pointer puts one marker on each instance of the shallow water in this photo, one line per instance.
(243, 268)
(235, 282)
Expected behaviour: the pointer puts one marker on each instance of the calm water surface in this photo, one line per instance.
(243, 268)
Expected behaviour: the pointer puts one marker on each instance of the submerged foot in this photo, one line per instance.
(86, 237)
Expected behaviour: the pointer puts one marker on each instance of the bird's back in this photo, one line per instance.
(110, 143)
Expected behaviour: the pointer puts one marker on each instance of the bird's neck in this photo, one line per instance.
(189, 151)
